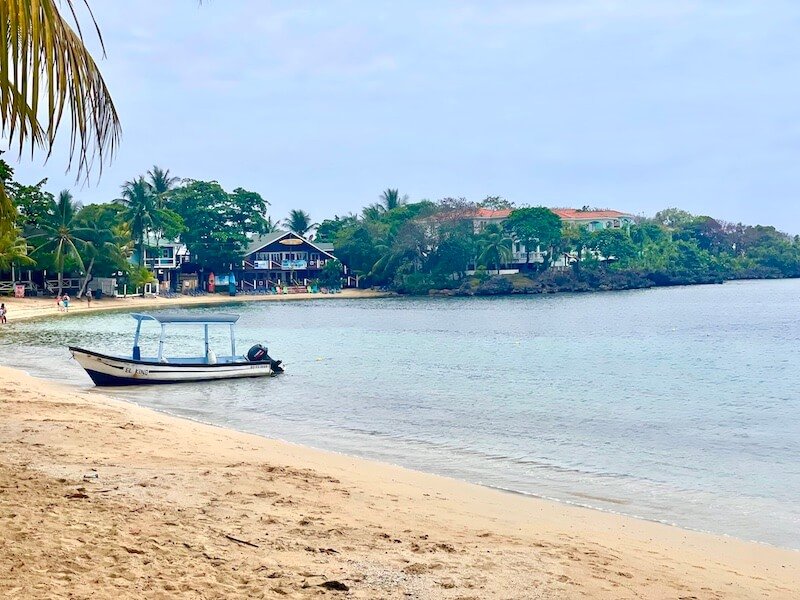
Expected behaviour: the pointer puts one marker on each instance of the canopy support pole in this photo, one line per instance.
(233, 341)
(161, 342)
(136, 355)
(206, 330)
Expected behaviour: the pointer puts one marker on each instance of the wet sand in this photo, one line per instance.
(20, 309)
(104, 499)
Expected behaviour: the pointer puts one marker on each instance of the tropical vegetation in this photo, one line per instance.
(410, 247)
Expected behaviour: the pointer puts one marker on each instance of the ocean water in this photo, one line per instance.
(680, 405)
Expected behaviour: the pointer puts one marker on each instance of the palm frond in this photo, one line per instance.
(45, 61)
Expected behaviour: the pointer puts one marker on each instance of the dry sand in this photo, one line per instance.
(20, 309)
(104, 499)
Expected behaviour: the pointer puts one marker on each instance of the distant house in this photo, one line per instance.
(164, 258)
(593, 220)
(485, 216)
(285, 257)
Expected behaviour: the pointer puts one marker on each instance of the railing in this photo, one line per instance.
(7, 287)
(161, 263)
(68, 283)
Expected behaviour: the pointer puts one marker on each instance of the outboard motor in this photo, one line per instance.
(259, 353)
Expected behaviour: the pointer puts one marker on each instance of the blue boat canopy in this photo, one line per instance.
(186, 318)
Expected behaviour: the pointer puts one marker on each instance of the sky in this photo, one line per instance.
(634, 105)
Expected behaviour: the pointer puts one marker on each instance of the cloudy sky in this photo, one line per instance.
(629, 104)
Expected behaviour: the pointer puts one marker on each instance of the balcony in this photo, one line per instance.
(287, 265)
(161, 263)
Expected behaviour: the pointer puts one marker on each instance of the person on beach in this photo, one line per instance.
(65, 302)
(88, 298)
(3, 318)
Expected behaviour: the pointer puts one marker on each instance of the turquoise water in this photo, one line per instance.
(680, 405)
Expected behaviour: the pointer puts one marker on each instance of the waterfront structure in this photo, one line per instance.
(165, 259)
(283, 257)
(593, 220)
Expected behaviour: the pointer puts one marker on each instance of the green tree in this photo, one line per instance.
(534, 227)
(496, 203)
(107, 243)
(147, 213)
(60, 236)
(358, 246)
(299, 221)
(329, 229)
(331, 274)
(217, 225)
(140, 211)
(615, 244)
(161, 182)
(495, 247)
(454, 250)
(673, 218)
(390, 199)
(13, 250)
(47, 72)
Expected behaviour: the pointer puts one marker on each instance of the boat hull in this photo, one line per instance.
(108, 370)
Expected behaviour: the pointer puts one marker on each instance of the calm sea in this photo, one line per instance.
(680, 405)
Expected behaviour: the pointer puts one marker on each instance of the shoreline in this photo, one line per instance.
(25, 309)
(165, 486)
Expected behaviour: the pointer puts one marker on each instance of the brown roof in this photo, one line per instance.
(487, 213)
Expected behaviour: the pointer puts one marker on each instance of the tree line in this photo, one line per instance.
(410, 247)
(423, 246)
(55, 233)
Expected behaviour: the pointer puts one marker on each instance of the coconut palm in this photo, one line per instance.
(141, 211)
(391, 199)
(495, 247)
(59, 236)
(161, 182)
(100, 238)
(299, 221)
(47, 71)
(270, 225)
(13, 250)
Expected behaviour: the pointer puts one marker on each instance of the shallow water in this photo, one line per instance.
(680, 405)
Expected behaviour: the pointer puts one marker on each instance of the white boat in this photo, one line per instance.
(106, 369)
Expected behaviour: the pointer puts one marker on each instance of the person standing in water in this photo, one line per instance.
(3, 312)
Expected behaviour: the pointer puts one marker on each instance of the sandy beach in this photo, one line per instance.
(104, 499)
(20, 309)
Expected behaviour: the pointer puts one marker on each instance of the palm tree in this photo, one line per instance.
(496, 247)
(391, 199)
(100, 238)
(59, 235)
(48, 71)
(140, 210)
(270, 226)
(161, 182)
(13, 250)
(299, 221)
